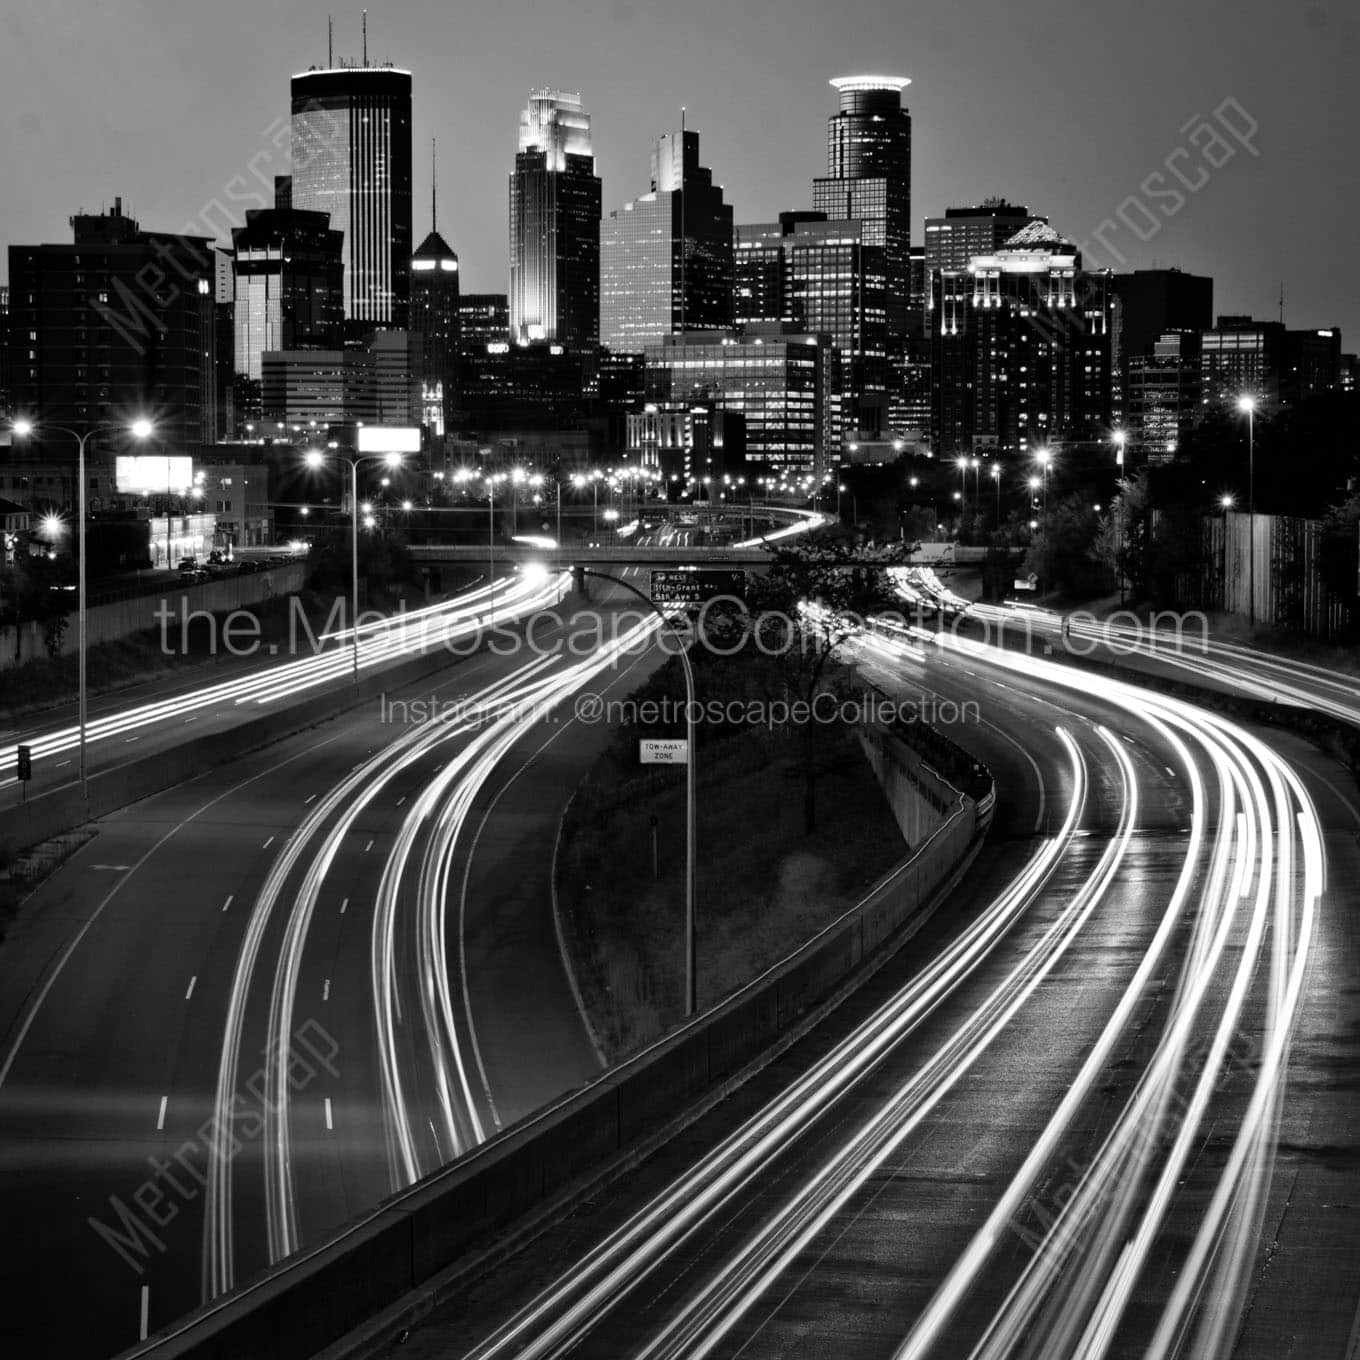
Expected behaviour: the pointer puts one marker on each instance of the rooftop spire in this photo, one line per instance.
(434, 186)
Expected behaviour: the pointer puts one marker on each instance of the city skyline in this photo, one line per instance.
(763, 118)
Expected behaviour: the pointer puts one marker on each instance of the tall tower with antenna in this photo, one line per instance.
(351, 135)
(434, 316)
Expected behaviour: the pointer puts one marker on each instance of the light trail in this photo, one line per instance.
(564, 1312)
(411, 634)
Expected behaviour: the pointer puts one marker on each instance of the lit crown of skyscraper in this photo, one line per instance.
(555, 123)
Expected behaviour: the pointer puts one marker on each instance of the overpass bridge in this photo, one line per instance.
(614, 554)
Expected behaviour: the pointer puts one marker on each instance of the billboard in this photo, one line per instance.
(389, 438)
(148, 474)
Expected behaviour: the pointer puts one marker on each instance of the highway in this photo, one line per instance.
(115, 725)
(298, 962)
(1088, 1113)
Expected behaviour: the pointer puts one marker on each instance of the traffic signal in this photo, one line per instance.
(25, 762)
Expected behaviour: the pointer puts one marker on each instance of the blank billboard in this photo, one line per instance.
(389, 439)
(146, 474)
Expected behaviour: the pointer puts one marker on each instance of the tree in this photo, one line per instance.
(1062, 552)
(26, 590)
(799, 616)
(1123, 533)
(383, 559)
(1339, 553)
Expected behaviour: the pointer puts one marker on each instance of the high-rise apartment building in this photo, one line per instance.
(351, 129)
(962, 233)
(119, 324)
(666, 257)
(554, 224)
(1021, 349)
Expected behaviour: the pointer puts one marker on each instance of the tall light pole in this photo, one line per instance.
(491, 539)
(1045, 460)
(962, 464)
(315, 458)
(1248, 405)
(996, 479)
(140, 430)
(1121, 440)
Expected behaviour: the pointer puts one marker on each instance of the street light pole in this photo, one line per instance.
(1248, 404)
(140, 429)
(691, 784)
(354, 564)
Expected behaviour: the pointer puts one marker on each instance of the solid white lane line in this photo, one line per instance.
(145, 1313)
(227, 903)
(311, 798)
(344, 902)
(330, 1126)
(160, 1118)
(190, 991)
(60, 763)
(267, 843)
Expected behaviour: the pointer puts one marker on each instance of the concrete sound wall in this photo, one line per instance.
(122, 618)
(391, 1260)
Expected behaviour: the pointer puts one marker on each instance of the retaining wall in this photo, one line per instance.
(121, 618)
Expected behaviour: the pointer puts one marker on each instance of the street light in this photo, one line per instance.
(1044, 457)
(996, 478)
(140, 429)
(1247, 404)
(315, 458)
(1120, 442)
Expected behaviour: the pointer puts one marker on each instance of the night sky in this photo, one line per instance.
(1068, 107)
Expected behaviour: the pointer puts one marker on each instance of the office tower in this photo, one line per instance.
(961, 234)
(692, 447)
(554, 224)
(868, 176)
(434, 318)
(1151, 303)
(538, 385)
(352, 159)
(783, 383)
(1312, 364)
(1162, 395)
(5, 398)
(483, 319)
(1021, 350)
(375, 382)
(116, 325)
(821, 277)
(666, 257)
(288, 294)
(1239, 356)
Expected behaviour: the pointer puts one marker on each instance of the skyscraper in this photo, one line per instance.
(961, 234)
(287, 284)
(352, 159)
(868, 176)
(666, 257)
(1021, 348)
(434, 318)
(554, 224)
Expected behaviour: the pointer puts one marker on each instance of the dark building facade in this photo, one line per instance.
(435, 308)
(1021, 351)
(482, 319)
(288, 284)
(666, 257)
(1152, 303)
(1241, 356)
(555, 224)
(351, 137)
(118, 325)
(1162, 395)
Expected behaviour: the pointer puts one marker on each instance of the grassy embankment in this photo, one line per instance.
(763, 889)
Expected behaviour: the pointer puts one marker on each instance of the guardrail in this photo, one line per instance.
(390, 1260)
